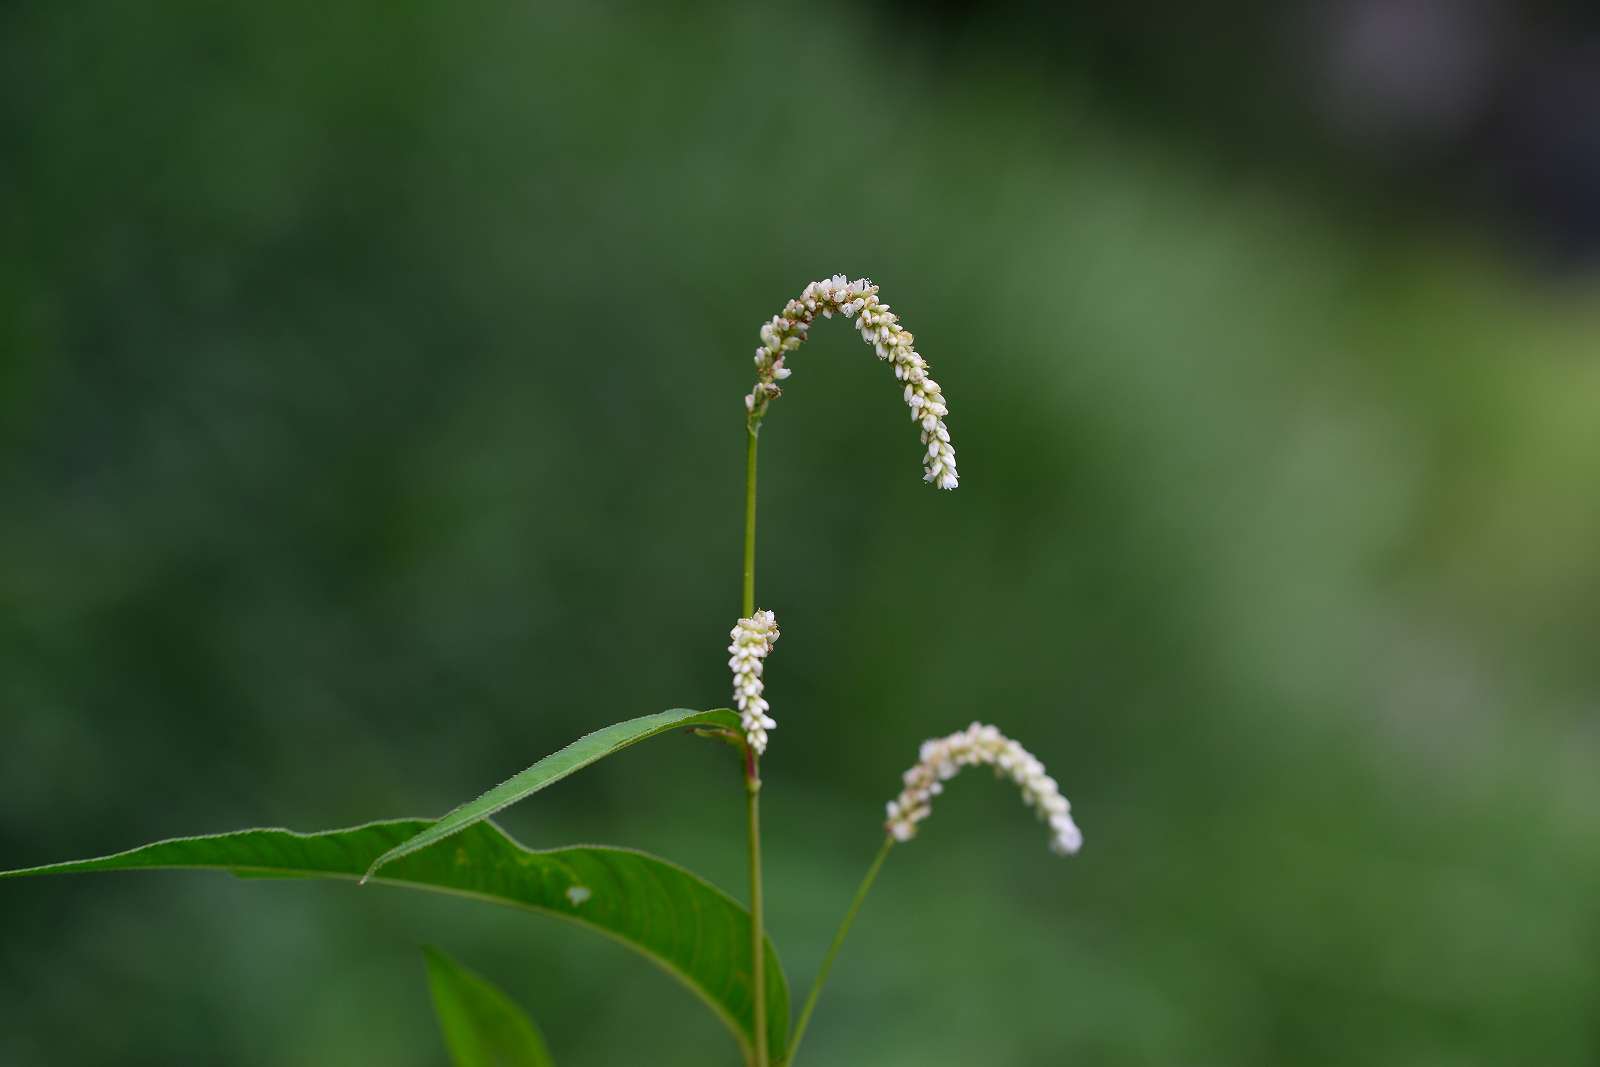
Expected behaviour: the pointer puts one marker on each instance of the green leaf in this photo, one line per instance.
(482, 1026)
(585, 750)
(684, 924)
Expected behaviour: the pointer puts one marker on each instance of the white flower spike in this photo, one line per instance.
(880, 328)
(752, 640)
(943, 757)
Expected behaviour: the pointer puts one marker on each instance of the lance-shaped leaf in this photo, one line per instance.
(585, 750)
(687, 926)
(482, 1026)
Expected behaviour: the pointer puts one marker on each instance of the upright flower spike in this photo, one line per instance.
(880, 328)
(943, 757)
(752, 640)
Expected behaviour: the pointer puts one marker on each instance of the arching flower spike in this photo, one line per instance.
(943, 757)
(752, 640)
(880, 328)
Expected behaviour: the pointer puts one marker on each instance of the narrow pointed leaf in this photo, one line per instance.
(585, 750)
(482, 1026)
(684, 924)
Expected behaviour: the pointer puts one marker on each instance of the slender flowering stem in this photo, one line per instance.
(833, 949)
(753, 636)
(748, 603)
(752, 779)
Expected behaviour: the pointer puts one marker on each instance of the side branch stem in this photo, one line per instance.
(833, 949)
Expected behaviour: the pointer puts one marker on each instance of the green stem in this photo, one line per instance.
(752, 779)
(749, 600)
(833, 949)
(758, 968)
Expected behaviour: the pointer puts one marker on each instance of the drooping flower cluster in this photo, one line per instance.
(752, 640)
(880, 328)
(943, 757)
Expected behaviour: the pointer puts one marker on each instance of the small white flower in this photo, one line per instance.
(941, 758)
(752, 639)
(880, 328)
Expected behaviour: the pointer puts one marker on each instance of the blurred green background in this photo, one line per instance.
(370, 384)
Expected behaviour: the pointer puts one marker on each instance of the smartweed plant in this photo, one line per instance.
(690, 928)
